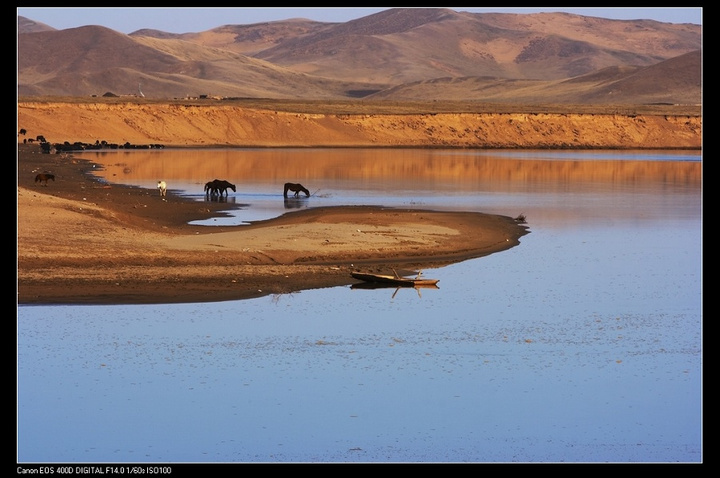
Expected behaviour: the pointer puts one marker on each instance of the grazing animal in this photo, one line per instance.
(221, 186)
(296, 188)
(218, 187)
(44, 177)
(162, 187)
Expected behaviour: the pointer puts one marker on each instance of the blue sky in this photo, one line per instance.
(184, 20)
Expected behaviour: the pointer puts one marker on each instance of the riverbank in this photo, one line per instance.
(83, 241)
(243, 124)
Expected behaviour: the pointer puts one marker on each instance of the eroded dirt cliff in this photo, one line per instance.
(219, 125)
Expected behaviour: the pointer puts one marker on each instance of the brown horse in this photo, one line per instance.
(219, 186)
(210, 189)
(44, 177)
(296, 188)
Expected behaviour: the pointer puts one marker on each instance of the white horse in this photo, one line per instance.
(162, 187)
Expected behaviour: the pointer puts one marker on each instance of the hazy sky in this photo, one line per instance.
(184, 20)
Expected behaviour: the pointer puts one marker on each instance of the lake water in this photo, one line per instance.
(582, 344)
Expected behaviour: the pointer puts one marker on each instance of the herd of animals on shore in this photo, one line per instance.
(67, 147)
(219, 188)
(216, 188)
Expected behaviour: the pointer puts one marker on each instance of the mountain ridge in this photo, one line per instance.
(395, 54)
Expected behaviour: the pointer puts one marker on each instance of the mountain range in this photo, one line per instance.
(399, 54)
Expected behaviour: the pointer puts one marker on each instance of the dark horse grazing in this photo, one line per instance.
(218, 187)
(210, 189)
(296, 188)
(43, 177)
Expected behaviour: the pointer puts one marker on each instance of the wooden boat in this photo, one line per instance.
(395, 280)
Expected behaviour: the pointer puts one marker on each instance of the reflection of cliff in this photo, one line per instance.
(433, 166)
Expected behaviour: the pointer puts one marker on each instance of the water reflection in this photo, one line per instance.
(220, 199)
(415, 169)
(295, 202)
(502, 182)
(582, 344)
(375, 286)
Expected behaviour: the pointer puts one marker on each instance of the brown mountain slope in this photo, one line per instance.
(645, 37)
(404, 52)
(247, 39)
(94, 60)
(26, 25)
(677, 80)
(86, 49)
(674, 81)
(402, 45)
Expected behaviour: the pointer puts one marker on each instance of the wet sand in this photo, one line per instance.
(85, 242)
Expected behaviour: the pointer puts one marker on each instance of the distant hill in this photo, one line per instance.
(402, 53)
(673, 81)
(25, 25)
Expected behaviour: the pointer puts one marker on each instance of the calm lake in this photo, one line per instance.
(582, 344)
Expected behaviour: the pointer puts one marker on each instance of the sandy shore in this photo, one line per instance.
(82, 241)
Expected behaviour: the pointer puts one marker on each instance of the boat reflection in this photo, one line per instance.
(378, 285)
